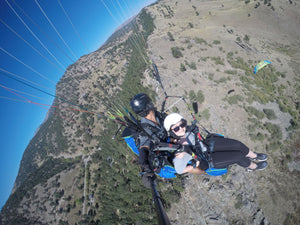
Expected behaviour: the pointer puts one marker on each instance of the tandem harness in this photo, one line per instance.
(159, 156)
(201, 150)
(161, 153)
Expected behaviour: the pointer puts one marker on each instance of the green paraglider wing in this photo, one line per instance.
(260, 65)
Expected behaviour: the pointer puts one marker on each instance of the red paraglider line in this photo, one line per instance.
(40, 105)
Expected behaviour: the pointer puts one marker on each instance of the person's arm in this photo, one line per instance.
(191, 169)
(148, 174)
(144, 152)
(143, 158)
(196, 170)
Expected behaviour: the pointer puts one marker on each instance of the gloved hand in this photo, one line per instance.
(195, 129)
(188, 149)
(147, 178)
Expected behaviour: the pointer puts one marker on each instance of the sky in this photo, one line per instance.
(39, 39)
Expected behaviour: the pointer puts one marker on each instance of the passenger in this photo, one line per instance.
(216, 149)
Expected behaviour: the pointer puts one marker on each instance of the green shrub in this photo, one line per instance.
(175, 109)
(230, 54)
(193, 66)
(182, 67)
(171, 38)
(282, 106)
(211, 76)
(189, 46)
(222, 80)
(246, 38)
(205, 114)
(270, 114)
(200, 97)
(274, 130)
(176, 52)
(200, 41)
(294, 125)
(233, 72)
(218, 60)
(260, 96)
(257, 137)
(234, 99)
(239, 202)
(274, 145)
(192, 96)
(253, 111)
(204, 59)
(255, 124)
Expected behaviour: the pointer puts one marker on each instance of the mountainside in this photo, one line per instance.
(73, 172)
(214, 49)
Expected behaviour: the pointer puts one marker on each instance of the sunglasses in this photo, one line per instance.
(182, 125)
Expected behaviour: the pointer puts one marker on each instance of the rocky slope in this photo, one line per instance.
(73, 173)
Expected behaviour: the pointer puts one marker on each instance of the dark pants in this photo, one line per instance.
(227, 151)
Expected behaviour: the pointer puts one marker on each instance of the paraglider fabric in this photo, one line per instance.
(260, 65)
(167, 172)
(131, 144)
(216, 172)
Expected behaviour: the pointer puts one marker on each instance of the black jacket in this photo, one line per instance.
(152, 135)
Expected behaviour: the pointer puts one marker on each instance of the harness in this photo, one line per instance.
(153, 130)
(159, 156)
(204, 150)
(162, 153)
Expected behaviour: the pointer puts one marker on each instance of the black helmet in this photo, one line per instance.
(141, 104)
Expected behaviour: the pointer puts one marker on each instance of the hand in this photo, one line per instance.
(180, 155)
(195, 129)
(148, 174)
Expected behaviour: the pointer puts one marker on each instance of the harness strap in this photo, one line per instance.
(198, 149)
(156, 134)
(210, 161)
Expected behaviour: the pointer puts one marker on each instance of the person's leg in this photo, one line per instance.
(196, 170)
(224, 159)
(252, 166)
(258, 166)
(251, 154)
(227, 144)
(226, 151)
